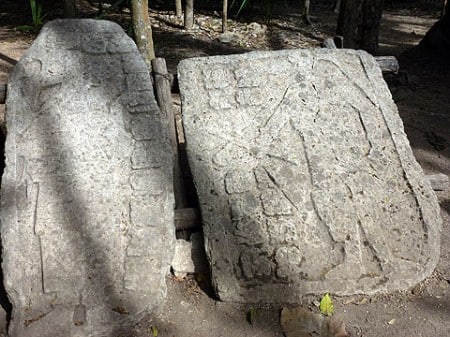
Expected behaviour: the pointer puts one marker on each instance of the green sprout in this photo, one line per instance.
(37, 16)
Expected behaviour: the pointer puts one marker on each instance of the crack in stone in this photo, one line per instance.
(363, 125)
(35, 200)
(272, 178)
(413, 191)
(310, 173)
(284, 160)
(350, 80)
(275, 110)
(364, 240)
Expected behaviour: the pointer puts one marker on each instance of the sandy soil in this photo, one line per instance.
(422, 93)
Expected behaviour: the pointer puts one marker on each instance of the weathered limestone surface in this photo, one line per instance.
(87, 199)
(305, 177)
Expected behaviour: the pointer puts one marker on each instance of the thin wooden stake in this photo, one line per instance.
(164, 98)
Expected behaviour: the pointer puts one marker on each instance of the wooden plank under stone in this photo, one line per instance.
(438, 182)
(388, 64)
(187, 218)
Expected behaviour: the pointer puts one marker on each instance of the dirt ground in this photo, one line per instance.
(422, 93)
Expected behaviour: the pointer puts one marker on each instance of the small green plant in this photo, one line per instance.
(250, 316)
(37, 16)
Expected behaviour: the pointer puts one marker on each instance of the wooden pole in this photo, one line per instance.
(164, 98)
(178, 8)
(189, 14)
(70, 9)
(225, 16)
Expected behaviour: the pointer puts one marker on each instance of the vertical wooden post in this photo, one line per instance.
(178, 9)
(70, 9)
(164, 98)
(225, 16)
(359, 23)
(189, 14)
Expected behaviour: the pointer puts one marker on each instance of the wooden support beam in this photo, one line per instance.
(187, 218)
(388, 64)
(164, 98)
(439, 182)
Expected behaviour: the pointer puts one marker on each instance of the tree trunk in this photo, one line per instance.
(178, 8)
(142, 30)
(70, 9)
(359, 23)
(189, 14)
(306, 6)
(438, 37)
(337, 6)
(225, 16)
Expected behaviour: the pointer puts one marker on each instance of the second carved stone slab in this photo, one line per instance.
(306, 180)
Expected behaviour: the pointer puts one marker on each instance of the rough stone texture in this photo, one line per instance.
(182, 263)
(189, 256)
(305, 177)
(87, 199)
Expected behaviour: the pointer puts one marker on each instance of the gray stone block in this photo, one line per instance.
(87, 199)
(305, 177)
(189, 257)
(182, 263)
